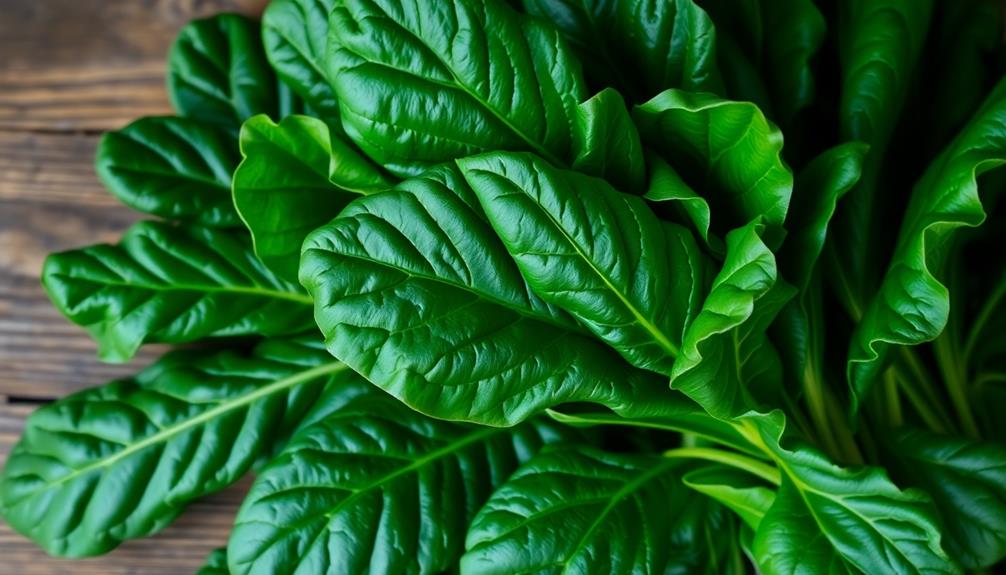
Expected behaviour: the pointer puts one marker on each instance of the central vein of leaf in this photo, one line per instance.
(165, 434)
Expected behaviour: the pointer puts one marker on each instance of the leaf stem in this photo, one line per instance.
(954, 377)
(892, 400)
(737, 460)
(930, 417)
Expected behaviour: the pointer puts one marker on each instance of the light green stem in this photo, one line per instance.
(742, 462)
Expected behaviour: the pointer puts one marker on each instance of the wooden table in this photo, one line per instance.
(69, 70)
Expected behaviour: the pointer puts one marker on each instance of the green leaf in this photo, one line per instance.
(414, 290)
(218, 72)
(726, 356)
(295, 35)
(828, 519)
(666, 188)
(585, 511)
(423, 83)
(817, 190)
(639, 46)
(606, 143)
(967, 481)
(165, 284)
(175, 168)
(123, 460)
(295, 176)
(879, 46)
(603, 256)
(375, 487)
(739, 491)
(912, 305)
(727, 151)
(216, 563)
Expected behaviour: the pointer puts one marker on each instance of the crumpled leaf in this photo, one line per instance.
(375, 487)
(295, 176)
(175, 168)
(167, 284)
(414, 290)
(421, 83)
(122, 460)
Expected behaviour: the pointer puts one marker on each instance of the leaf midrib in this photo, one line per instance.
(166, 433)
(245, 290)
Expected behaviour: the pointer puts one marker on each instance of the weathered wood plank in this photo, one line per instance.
(90, 65)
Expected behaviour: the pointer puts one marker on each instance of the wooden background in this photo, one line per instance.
(69, 70)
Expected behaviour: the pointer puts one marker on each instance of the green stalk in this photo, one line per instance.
(742, 462)
(892, 400)
(932, 419)
(954, 377)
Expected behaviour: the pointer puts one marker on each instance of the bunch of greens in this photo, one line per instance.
(518, 288)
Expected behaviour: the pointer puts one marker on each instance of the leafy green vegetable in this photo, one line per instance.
(122, 460)
(514, 85)
(218, 72)
(295, 176)
(175, 168)
(166, 284)
(488, 286)
(593, 512)
(374, 485)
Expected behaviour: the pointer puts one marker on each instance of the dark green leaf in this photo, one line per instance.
(726, 151)
(375, 487)
(165, 284)
(295, 34)
(601, 255)
(585, 511)
(828, 519)
(667, 187)
(747, 496)
(175, 168)
(216, 563)
(606, 143)
(218, 72)
(122, 460)
(912, 305)
(295, 176)
(413, 289)
(967, 480)
(639, 46)
(725, 355)
(421, 83)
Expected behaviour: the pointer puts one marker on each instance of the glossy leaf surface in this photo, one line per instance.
(175, 168)
(295, 176)
(376, 487)
(122, 460)
(606, 143)
(421, 83)
(603, 256)
(166, 284)
(413, 289)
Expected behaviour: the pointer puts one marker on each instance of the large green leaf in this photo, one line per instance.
(218, 72)
(828, 519)
(295, 34)
(175, 168)
(122, 460)
(166, 284)
(375, 487)
(606, 143)
(295, 176)
(967, 480)
(726, 151)
(880, 42)
(420, 83)
(640, 47)
(216, 563)
(726, 359)
(771, 42)
(414, 290)
(912, 305)
(585, 511)
(603, 256)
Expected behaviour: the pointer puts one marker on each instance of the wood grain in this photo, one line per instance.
(69, 70)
